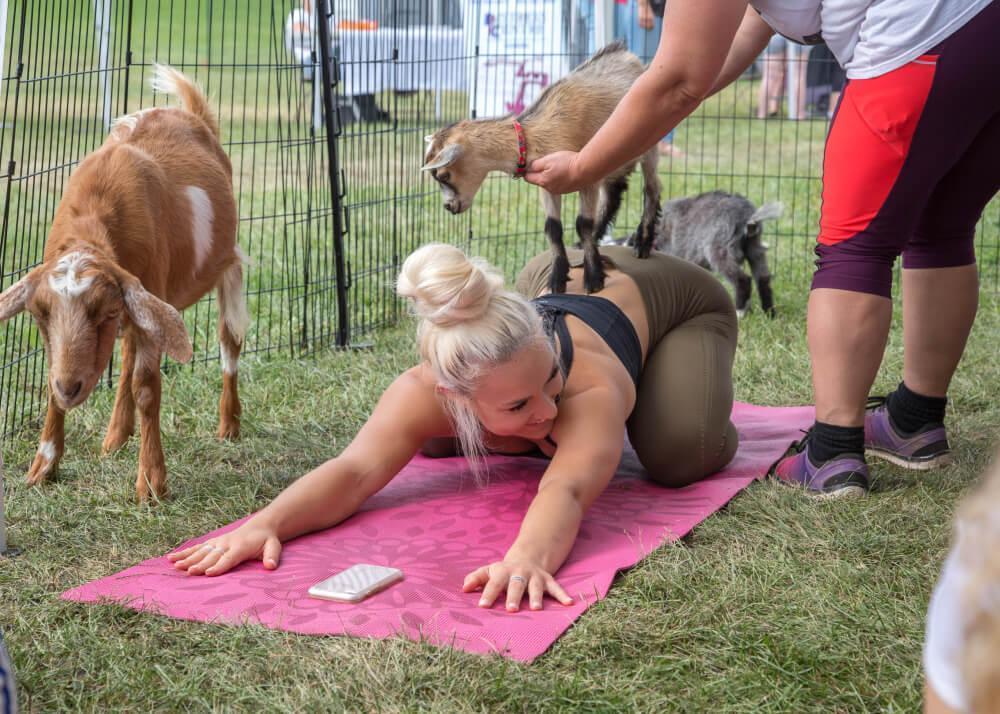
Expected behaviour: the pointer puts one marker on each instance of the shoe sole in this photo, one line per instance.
(933, 462)
(847, 492)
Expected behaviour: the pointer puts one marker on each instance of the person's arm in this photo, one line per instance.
(591, 435)
(694, 45)
(406, 415)
(750, 41)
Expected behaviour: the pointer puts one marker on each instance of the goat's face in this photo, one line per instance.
(453, 162)
(78, 301)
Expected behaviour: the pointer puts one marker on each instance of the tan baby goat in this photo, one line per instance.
(146, 227)
(563, 118)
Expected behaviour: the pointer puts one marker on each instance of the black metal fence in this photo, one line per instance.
(324, 107)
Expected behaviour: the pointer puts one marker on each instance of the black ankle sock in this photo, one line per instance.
(827, 441)
(910, 411)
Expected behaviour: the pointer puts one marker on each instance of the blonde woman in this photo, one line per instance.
(517, 372)
(962, 647)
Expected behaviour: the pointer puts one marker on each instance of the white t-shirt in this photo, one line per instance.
(869, 37)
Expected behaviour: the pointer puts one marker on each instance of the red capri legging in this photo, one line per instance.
(912, 158)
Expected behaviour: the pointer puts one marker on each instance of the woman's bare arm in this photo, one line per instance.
(590, 447)
(406, 415)
(590, 437)
(694, 46)
(750, 41)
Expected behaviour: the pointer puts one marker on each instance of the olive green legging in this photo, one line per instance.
(680, 426)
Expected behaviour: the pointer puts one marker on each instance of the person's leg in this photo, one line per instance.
(772, 78)
(680, 425)
(935, 330)
(801, 76)
(847, 335)
(940, 260)
(907, 428)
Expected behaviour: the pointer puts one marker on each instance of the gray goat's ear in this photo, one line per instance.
(447, 156)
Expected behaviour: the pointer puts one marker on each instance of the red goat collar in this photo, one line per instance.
(522, 151)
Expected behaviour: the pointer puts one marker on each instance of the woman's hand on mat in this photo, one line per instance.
(516, 579)
(217, 555)
(556, 173)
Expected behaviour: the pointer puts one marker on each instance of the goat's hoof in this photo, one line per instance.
(593, 284)
(151, 485)
(642, 251)
(770, 312)
(557, 285)
(41, 468)
(43, 465)
(113, 441)
(229, 430)
(741, 312)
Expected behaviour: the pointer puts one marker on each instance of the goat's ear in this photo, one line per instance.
(447, 156)
(14, 298)
(159, 321)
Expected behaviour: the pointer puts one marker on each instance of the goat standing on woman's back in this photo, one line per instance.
(563, 118)
(146, 227)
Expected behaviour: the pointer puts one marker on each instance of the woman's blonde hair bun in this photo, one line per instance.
(446, 287)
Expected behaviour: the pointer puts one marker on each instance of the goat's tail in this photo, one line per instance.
(767, 212)
(168, 80)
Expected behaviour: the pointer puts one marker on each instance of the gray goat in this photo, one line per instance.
(719, 231)
(564, 118)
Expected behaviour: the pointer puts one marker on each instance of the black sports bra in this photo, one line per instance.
(602, 316)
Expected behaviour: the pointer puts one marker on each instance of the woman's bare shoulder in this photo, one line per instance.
(413, 396)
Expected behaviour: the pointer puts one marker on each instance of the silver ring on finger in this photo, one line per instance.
(518, 578)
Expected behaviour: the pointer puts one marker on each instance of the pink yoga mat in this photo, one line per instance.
(434, 524)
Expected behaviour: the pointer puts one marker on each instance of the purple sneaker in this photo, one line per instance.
(924, 449)
(845, 475)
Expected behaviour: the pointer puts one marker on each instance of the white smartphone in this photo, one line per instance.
(356, 583)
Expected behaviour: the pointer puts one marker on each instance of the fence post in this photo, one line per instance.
(333, 166)
(102, 22)
(3, 40)
(604, 23)
(3, 523)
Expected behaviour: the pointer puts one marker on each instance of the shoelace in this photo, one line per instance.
(799, 446)
(876, 402)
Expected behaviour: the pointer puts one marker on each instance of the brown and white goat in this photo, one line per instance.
(563, 118)
(146, 226)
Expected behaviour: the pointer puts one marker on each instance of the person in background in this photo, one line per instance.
(299, 43)
(772, 86)
(638, 23)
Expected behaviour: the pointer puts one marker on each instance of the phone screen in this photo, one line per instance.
(356, 583)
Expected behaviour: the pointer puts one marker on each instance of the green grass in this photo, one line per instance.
(777, 603)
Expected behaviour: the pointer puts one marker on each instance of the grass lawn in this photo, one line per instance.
(777, 603)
